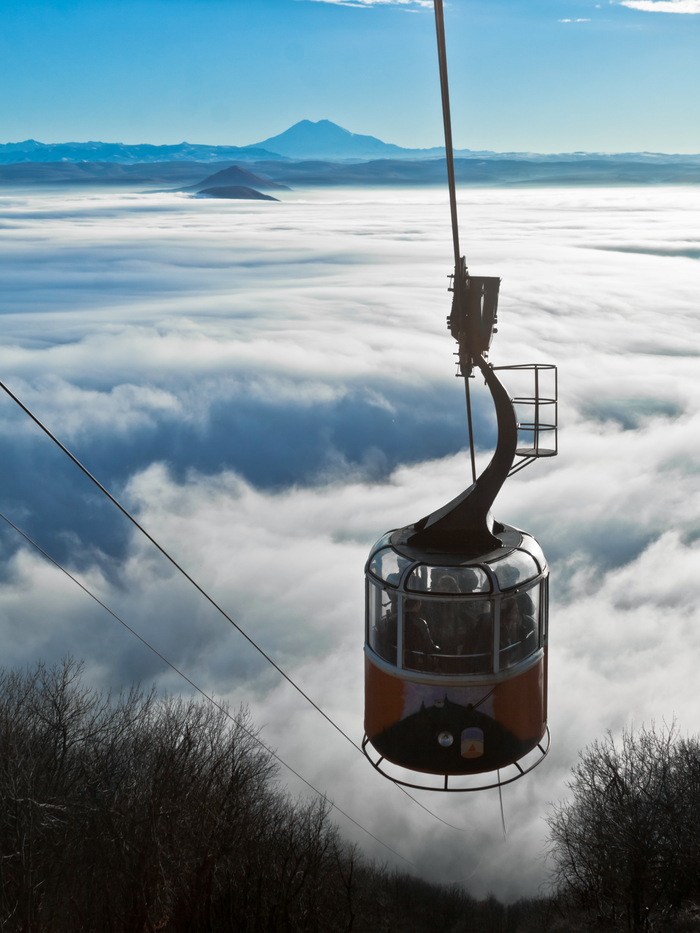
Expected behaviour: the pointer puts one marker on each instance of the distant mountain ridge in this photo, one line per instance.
(195, 176)
(329, 142)
(306, 140)
(108, 173)
(32, 151)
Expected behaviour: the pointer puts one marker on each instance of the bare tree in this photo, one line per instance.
(111, 809)
(148, 814)
(626, 843)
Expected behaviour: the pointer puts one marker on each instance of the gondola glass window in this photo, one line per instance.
(448, 580)
(520, 626)
(382, 621)
(455, 620)
(518, 567)
(388, 565)
(442, 637)
(532, 547)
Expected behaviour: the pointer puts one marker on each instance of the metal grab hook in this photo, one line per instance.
(473, 317)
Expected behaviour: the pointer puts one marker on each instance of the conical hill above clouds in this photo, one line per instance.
(235, 175)
(236, 192)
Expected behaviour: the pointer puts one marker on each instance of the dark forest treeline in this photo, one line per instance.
(142, 814)
(145, 814)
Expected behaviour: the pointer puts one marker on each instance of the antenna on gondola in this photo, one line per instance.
(457, 603)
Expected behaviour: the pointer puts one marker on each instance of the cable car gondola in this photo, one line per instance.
(457, 603)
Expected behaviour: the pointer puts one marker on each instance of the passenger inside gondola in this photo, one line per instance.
(419, 647)
(383, 623)
(519, 627)
(448, 637)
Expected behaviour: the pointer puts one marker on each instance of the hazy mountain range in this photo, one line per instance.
(305, 140)
(276, 174)
(328, 141)
(478, 172)
(32, 151)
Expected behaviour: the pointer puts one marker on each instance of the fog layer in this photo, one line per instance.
(270, 387)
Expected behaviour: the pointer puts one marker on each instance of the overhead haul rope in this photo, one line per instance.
(449, 158)
(445, 91)
(205, 695)
(194, 583)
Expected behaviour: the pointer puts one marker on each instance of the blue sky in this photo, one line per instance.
(543, 75)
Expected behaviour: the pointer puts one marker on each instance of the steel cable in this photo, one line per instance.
(162, 550)
(447, 122)
(202, 692)
(173, 561)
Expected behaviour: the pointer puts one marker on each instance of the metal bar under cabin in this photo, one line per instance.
(444, 88)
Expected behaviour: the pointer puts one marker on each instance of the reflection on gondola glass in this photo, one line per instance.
(532, 547)
(518, 567)
(448, 580)
(388, 566)
(519, 627)
(383, 617)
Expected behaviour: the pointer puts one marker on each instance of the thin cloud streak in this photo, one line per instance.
(663, 6)
(370, 3)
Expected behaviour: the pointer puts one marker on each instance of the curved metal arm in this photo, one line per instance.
(466, 523)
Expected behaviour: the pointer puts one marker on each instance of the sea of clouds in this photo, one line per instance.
(270, 387)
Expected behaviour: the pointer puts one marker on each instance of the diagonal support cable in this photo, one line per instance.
(162, 550)
(206, 696)
(175, 563)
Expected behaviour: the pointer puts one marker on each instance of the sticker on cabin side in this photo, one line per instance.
(472, 743)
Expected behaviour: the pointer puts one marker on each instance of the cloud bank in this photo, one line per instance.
(270, 388)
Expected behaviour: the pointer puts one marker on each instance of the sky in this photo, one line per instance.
(269, 386)
(545, 75)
